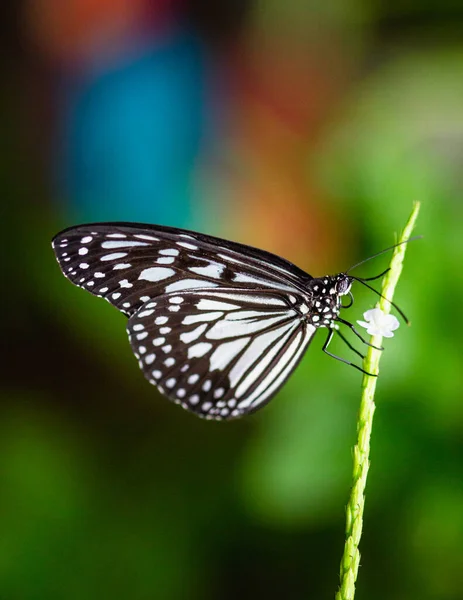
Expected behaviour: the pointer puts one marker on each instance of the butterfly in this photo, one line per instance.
(216, 326)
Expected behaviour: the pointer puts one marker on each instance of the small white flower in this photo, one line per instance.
(378, 323)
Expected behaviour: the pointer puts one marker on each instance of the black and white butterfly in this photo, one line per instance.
(217, 326)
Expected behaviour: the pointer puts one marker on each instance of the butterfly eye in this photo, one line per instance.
(343, 285)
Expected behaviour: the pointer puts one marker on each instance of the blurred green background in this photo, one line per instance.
(301, 127)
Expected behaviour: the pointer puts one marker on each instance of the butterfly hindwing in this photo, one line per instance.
(130, 264)
(220, 353)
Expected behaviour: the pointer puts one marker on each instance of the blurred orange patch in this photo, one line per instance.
(286, 91)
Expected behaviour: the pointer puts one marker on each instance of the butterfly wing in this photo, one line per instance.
(130, 264)
(220, 353)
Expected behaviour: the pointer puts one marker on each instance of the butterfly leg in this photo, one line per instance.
(348, 344)
(351, 298)
(347, 362)
(339, 320)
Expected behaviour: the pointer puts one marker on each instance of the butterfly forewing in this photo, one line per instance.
(220, 353)
(130, 264)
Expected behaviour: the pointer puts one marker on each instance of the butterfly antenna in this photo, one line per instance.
(376, 276)
(416, 237)
(363, 282)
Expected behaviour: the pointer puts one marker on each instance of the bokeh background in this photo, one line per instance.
(305, 128)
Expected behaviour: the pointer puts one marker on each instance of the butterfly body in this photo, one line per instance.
(217, 326)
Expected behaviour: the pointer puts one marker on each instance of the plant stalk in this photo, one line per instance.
(354, 511)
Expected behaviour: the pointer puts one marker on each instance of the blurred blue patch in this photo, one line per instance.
(131, 136)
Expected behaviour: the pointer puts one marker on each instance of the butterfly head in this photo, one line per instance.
(326, 295)
(343, 283)
(331, 286)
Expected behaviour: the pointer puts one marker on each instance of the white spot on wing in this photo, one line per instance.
(234, 328)
(205, 304)
(186, 284)
(214, 270)
(190, 336)
(212, 316)
(121, 244)
(165, 260)
(142, 236)
(199, 350)
(113, 256)
(156, 273)
(169, 252)
(124, 283)
(226, 352)
(264, 300)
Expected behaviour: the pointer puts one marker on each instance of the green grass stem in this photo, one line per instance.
(355, 507)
